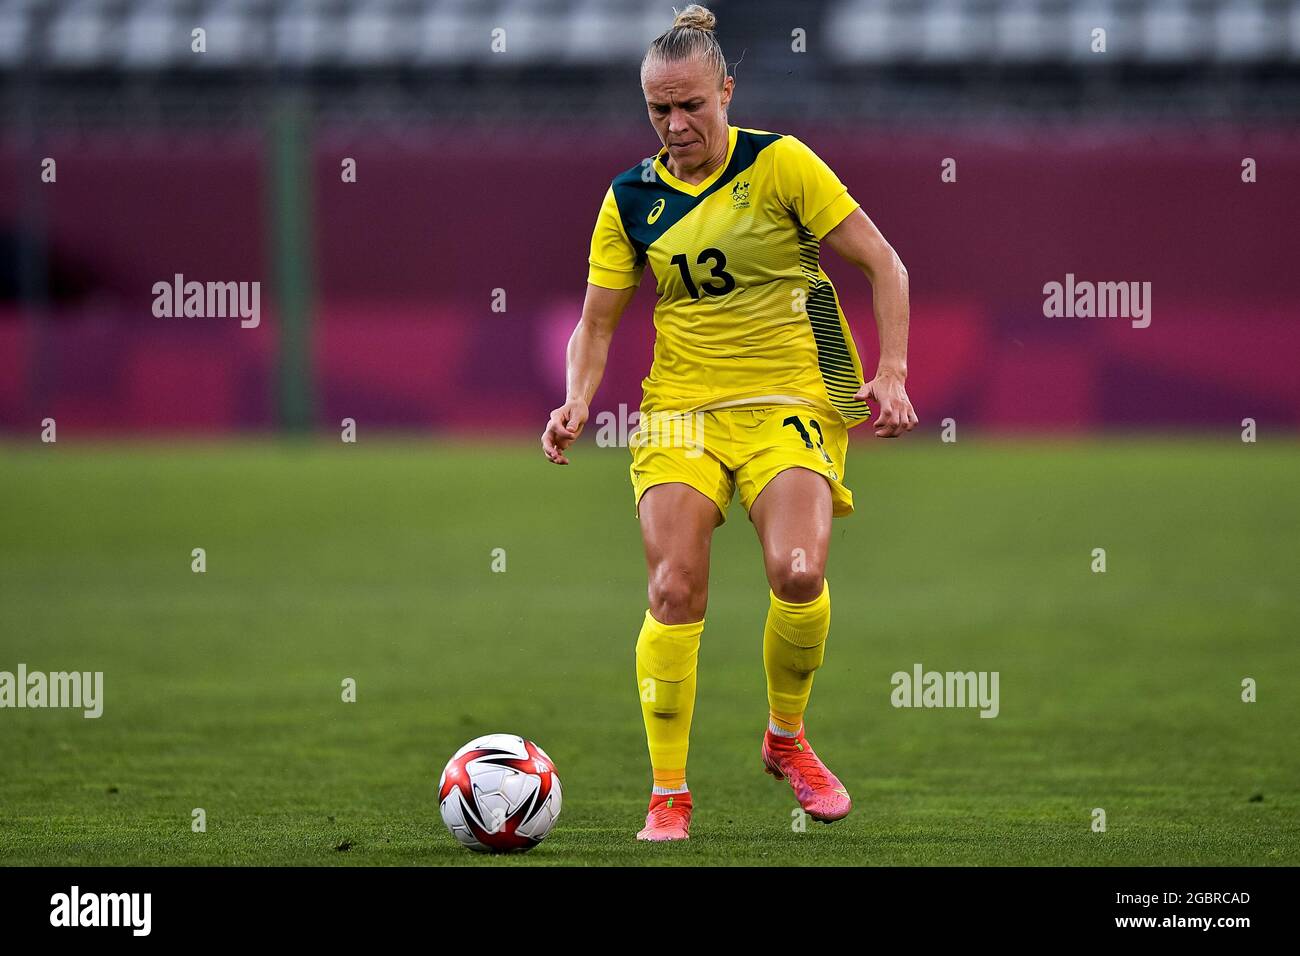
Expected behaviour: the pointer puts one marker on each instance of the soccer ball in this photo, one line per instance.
(499, 793)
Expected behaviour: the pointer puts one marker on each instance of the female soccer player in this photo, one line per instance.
(756, 370)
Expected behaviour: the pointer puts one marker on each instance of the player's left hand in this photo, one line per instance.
(895, 415)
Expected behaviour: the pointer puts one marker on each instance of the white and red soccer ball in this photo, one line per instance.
(499, 793)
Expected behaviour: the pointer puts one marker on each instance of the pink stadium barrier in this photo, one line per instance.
(407, 260)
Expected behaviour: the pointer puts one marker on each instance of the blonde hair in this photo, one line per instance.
(691, 35)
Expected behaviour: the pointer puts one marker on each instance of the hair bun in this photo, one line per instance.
(696, 16)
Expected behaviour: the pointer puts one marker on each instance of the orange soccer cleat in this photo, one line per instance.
(669, 818)
(818, 790)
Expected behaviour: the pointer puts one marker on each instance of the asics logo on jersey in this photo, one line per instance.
(655, 211)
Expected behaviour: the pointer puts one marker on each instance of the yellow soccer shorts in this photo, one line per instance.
(716, 452)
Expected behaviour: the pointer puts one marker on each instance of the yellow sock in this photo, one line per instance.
(790, 722)
(794, 644)
(666, 655)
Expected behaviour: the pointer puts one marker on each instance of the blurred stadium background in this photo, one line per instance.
(480, 170)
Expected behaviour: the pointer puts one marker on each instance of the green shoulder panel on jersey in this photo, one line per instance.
(637, 197)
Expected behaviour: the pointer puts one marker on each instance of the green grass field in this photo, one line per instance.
(327, 561)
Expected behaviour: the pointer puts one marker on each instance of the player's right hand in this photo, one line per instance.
(563, 429)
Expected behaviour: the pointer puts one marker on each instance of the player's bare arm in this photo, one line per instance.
(857, 240)
(585, 366)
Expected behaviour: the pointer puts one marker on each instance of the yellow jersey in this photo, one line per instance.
(745, 316)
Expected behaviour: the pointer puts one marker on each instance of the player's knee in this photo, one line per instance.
(677, 597)
(797, 584)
